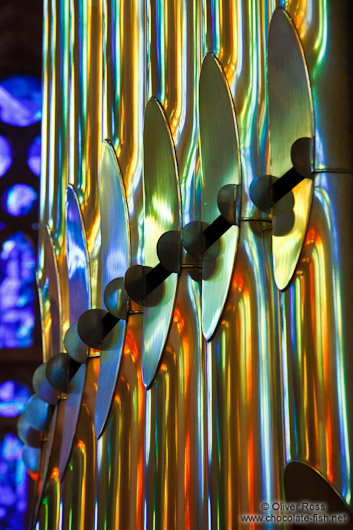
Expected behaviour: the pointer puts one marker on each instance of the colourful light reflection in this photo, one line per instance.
(320, 45)
(264, 352)
(82, 448)
(316, 422)
(329, 211)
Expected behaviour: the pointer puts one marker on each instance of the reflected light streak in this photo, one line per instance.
(323, 197)
(51, 170)
(178, 117)
(54, 476)
(321, 42)
(82, 448)
(44, 132)
(285, 384)
(250, 246)
(215, 24)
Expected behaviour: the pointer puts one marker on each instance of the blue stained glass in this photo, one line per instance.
(5, 155)
(19, 199)
(13, 398)
(33, 156)
(17, 291)
(20, 100)
(13, 484)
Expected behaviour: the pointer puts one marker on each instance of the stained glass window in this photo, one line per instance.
(17, 292)
(20, 100)
(19, 199)
(13, 484)
(5, 155)
(13, 398)
(33, 156)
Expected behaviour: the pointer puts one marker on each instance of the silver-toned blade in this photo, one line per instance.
(220, 166)
(115, 255)
(162, 213)
(79, 301)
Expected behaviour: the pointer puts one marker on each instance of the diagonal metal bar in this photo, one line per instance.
(215, 230)
(285, 184)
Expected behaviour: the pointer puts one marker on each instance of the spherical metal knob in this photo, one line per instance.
(74, 346)
(116, 298)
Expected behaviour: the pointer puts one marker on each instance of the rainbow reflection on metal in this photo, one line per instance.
(199, 433)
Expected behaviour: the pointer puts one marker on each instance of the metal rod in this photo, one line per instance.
(285, 184)
(215, 230)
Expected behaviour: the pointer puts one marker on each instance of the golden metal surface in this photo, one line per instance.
(125, 94)
(290, 113)
(205, 443)
(120, 451)
(79, 301)
(85, 20)
(244, 427)
(47, 456)
(316, 359)
(77, 257)
(71, 413)
(49, 510)
(219, 166)
(50, 299)
(54, 147)
(237, 32)
(162, 213)
(115, 257)
(78, 485)
(326, 37)
(176, 435)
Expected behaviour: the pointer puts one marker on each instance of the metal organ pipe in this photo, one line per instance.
(227, 393)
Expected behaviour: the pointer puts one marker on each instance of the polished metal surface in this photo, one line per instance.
(79, 301)
(162, 213)
(121, 446)
(48, 516)
(220, 165)
(59, 370)
(304, 482)
(71, 413)
(176, 433)
(31, 458)
(291, 118)
(211, 437)
(116, 299)
(42, 386)
(244, 427)
(38, 414)
(115, 257)
(47, 456)
(27, 434)
(74, 345)
(48, 479)
(48, 281)
(124, 100)
(78, 483)
(77, 257)
(316, 338)
(326, 37)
